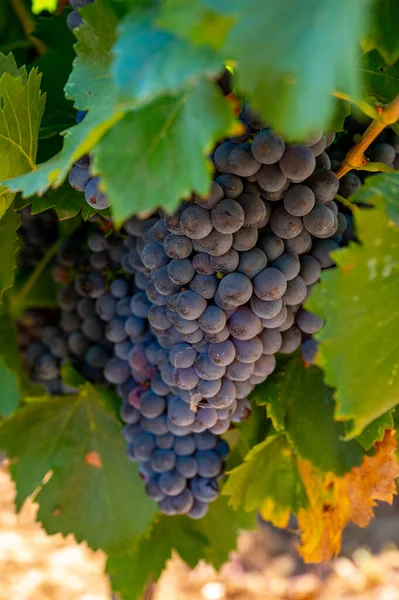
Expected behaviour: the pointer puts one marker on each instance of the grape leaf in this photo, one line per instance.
(381, 189)
(221, 526)
(200, 22)
(55, 66)
(21, 110)
(379, 79)
(9, 393)
(210, 538)
(90, 85)
(268, 480)
(303, 406)
(150, 63)
(301, 63)
(78, 438)
(375, 431)
(131, 570)
(334, 501)
(9, 224)
(383, 32)
(359, 341)
(14, 379)
(167, 159)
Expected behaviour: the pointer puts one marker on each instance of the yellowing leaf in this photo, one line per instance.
(268, 479)
(334, 501)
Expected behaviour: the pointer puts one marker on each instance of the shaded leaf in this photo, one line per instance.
(382, 190)
(9, 392)
(267, 480)
(131, 570)
(9, 224)
(221, 526)
(79, 498)
(303, 406)
(360, 360)
(383, 33)
(379, 79)
(90, 85)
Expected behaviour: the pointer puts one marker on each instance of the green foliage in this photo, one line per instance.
(298, 401)
(21, 110)
(162, 130)
(162, 63)
(78, 439)
(8, 236)
(146, 73)
(383, 33)
(212, 538)
(269, 472)
(358, 301)
(380, 80)
(274, 59)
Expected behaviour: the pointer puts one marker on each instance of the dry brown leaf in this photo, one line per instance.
(334, 501)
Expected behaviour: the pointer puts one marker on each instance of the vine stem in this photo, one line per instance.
(355, 159)
(28, 24)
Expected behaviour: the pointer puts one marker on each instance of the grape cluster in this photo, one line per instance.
(229, 272)
(104, 330)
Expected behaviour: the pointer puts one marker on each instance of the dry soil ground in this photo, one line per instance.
(266, 566)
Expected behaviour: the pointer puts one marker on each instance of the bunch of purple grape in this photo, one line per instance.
(229, 272)
(103, 330)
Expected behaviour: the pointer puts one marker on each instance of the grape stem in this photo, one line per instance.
(27, 21)
(355, 159)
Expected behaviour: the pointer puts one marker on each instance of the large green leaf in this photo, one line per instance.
(302, 405)
(384, 30)
(360, 339)
(90, 85)
(157, 154)
(211, 538)
(131, 570)
(95, 491)
(199, 21)
(268, 479)
(151, 63)
(382, 190)
(21, 110)
(221, 525)
(11, 370)
(9, 393)
(287, 58)
(9, 224)
(379, 79)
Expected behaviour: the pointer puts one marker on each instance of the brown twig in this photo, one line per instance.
(355, 159)
(27, 21)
